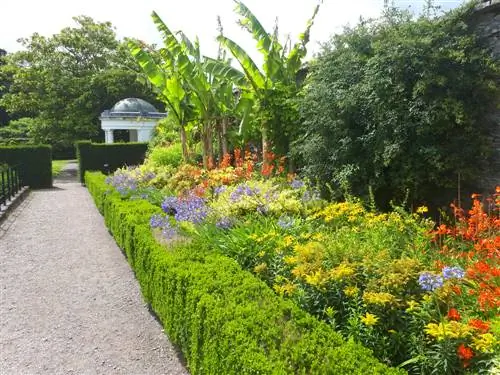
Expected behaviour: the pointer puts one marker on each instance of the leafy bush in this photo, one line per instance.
(108, 157)
(224, 319)
(401, 104)
(166, 155)
(34, 162)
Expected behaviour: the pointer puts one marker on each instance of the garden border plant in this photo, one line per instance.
(223, 318)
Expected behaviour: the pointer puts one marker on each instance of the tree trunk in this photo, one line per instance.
(264, 143)
(224, 136)
(207, 144)
(185, 152)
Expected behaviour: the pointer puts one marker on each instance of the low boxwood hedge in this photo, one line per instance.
(224, 319)
(33, 161)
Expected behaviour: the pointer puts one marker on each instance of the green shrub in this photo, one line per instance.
(166, 155)
(106, 157)
(385, 106)
(34, 162)
(224, 319)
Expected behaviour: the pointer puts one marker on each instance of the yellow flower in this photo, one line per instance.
(288, 240)
(342, 271)
(262, 267)
(452, 329)
(285, 289)
(422, 210)
(351, 291)
(261, 254)
(369, 319)
(317, 279)
(484, 343)
(380, 298)
(412, 306)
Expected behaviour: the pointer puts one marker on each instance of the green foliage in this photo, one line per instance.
(67, 80)
(17, 131)
(108, 157)
(400, 104)
(270, 91)
(57, 166)
(223, 319)
(166, 156)
(34, 163)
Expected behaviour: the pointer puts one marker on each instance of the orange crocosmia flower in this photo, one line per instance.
(439, 265)
(453, 314)
(442, 229)
(456, 289)
(464, 353)
(479, 325)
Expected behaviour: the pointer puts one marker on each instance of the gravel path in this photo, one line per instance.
(69, 303)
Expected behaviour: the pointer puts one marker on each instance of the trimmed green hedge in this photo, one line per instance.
(224, 319)
(94, 156)
(34, 161)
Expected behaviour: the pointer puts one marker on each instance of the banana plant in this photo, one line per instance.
(181, 81)
(280, 68)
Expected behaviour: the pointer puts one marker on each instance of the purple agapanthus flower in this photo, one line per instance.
(241, 191)
(429, 281)
(190, 208)
(296, 184)
(285, 222)
(220, 189)
(158, 221)
(453, 273)
(224, 223)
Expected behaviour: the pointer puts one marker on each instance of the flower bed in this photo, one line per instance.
(224, 319)
(421, 296)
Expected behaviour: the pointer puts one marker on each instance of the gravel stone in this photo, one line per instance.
(69, 302)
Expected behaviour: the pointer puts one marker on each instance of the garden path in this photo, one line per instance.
(69, 302)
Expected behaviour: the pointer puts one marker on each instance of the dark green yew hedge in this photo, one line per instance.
(107, 157)
(33, 161)
(224, 319)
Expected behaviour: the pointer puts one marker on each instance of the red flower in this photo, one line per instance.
(480, 325)
(464, 353)
(453, 314)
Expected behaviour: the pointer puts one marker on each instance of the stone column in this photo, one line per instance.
(108, 136)
(144, 135)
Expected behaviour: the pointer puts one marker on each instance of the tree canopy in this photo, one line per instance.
(65, 81)
(400, 104)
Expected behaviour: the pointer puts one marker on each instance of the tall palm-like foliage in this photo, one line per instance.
(275, 83)
(192, 96)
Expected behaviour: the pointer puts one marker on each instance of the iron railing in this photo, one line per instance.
(9, 183)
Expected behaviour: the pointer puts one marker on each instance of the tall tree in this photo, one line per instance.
(4, 86)
(67, 80)
(401, 105)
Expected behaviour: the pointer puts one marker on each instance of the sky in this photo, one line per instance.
(194, 17)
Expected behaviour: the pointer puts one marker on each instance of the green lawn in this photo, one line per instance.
(57, 165)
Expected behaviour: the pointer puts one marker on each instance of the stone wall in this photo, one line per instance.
(486, 21)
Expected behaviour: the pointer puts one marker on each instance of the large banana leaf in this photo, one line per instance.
(186, 67)
(223, 70)
(253, 25)
(169, 87)
(267, 44)
(252, 72)
(299, 50)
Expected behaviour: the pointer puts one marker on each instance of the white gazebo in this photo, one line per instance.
(135, 115)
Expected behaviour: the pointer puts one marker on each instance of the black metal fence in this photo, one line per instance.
(9, 183)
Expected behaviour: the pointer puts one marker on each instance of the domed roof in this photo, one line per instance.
(133, 105)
